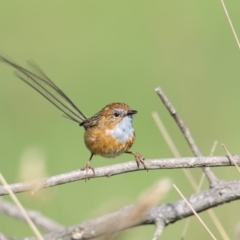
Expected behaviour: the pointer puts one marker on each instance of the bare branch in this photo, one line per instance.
(38, 219)
(21, 209)
(2, 237)
(160, 225)
(173, 148)
(209, 174)
(168, 213)
(230, 157)
(197, 215)
(168, 163)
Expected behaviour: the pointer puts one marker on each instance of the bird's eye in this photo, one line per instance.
(116, 114)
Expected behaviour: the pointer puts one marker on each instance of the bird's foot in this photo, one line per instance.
(87, 167)
(139, 160)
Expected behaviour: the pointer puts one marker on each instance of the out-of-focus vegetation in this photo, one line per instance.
(100, 52)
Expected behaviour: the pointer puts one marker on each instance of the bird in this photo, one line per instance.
(108, 133)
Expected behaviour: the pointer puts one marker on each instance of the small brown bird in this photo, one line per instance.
(108, 133)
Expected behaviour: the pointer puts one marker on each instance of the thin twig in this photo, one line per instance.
(213, 148)
(166, 135)
(230, 23)
(173, 148)
(160, 225)
(186, 226)
(210, 211)
(230, 157)
(212, 179)
(198, 217)
(24, 213)
(167, 163)
(188, 174)
(197, 190)
(218, 224)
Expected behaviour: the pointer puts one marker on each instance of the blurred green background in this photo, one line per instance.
(100, 52)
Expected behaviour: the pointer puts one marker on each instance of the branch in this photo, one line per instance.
(2, 237)
(37, 218)
(165, 214)
(212, 179)
(169, 163)
(160, 225)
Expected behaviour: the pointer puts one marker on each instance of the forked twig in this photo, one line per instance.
(212, 179)
(168, 213)
(188, 174)
(211, 212)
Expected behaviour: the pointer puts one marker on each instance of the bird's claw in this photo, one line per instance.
(140, 160)
(87, 167)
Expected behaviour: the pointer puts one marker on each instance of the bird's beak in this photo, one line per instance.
(131, 112)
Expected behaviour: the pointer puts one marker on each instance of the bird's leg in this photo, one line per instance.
(138, 158)
(87, 167)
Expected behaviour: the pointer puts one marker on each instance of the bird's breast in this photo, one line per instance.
(122, 130)
(110, 142)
